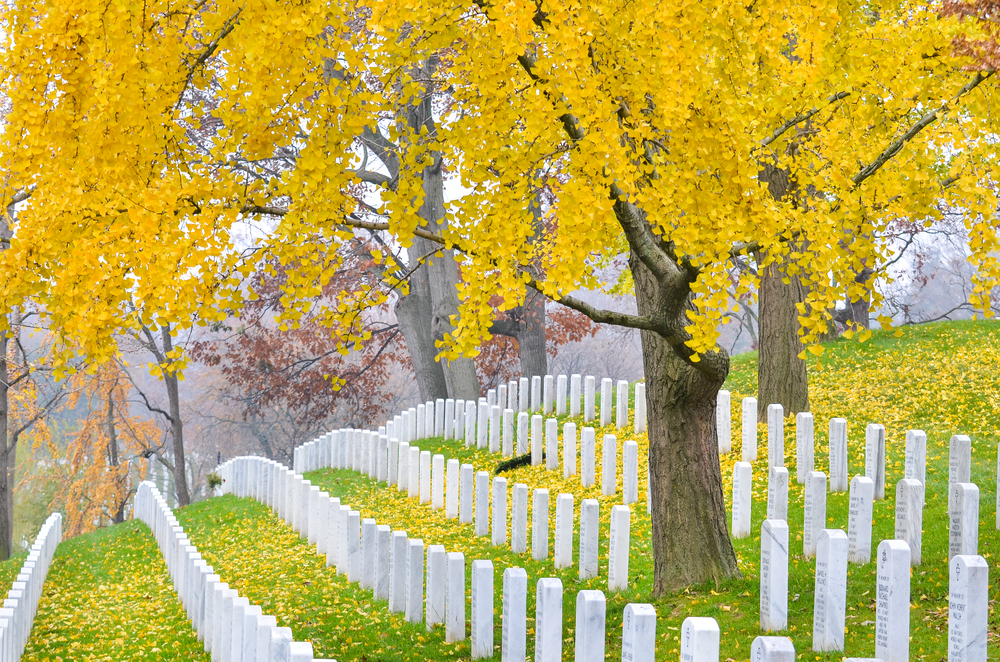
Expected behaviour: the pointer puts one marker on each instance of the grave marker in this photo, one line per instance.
(397, 571)
(519, 519)
(640, 408)
(481, 428)
(621, 409)
(838, 455)
(959, 461)
(508, 432)
(413, 485)
(968, 608)
(499, 512)
(482, 609)
(749, 429)
(483, 503)
(514, 643)
(495, 429)
(774, 575)
(574, 395)
(619, 536)
(436, 578)
(909, 515)
(403, 467)
(569, 449)
(775, 436)
(875, 458)
(454, 629)
(561, 395)
(547, 395)
(367, 552)
(630, 472)
(777, 493)
(540, 525)
(830, 597)
(563, 552)
(607, 401)
(536, 393)
(414, 581)
(383, 549)
(439, 417)
(589, 522)
(590, 386)
(859, 520)
(639, 633)
(742, 483)
(963, 518)
(772, 649)
(465, 494)
(699, 639)
(892, 602)
(724, 421)
(587, 457)
(437, 481)
(523, 399)
(537, 450)
(522, 433)
(804, 446)
(591, 608)
(425, 476)
(609, 465)
(915, 464)
(548, 620)
(453, 489)
(814, 512)
(551, 444)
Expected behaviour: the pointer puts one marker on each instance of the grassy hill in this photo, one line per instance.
(108, 597)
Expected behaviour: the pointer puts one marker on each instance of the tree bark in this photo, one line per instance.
(531, 336)
(690, 537)
(413, 313)
(176, 426)
(781, 375)
(7, 479)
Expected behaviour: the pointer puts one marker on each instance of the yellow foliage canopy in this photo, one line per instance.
(798, 129)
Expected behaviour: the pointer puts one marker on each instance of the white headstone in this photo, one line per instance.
(537, 449)
(574, 395)
(508, 432)
(630, 472)
(749, 429)
(522, 433)
(775, 436)
(369, 530)
(383, 552)
(607, 402)
(915, 465)
(892, 602)
(483, 503)
(587, 457)
(563, 550)
(639, 633)
(482, 609)
(830, 597)
(536, 393)
(414, 581)
(540, 525)
(495, 429)
(609, 465)
(398, 560)
(804, 446)
(547, 395)
(514, 613)
(963, 518)
(591, 608)
(875, 458)
(742, 498)
(910, 516)
(859, 520)
(814, 512)
(452, 489)
(502, 396)
(425, 476)
(777, 493)
(589, 522)
(354, 546)
(437, 482)
(724, 421)
(569, 449)
(838, 455)
(959, 461)
(699, 639)
(524, 394)
(619, 537)
(640, 408)
(454, 598)
(481, 425)
(403, 467)
(548, 620)
(968, 608)
(465, 494)
(413, 482)
(499, 512)
(439, 417)
(436, 578)
(772, 649)
(519, 519)
(774, 575)
(621, 404)
(561, 395)
(589, 398)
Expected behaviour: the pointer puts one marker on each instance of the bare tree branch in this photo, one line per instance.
(798, 119)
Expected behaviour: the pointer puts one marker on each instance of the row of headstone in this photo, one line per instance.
(231, 629)
(21, 605)
(393, 566)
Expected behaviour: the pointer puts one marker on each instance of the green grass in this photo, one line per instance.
(942, 378)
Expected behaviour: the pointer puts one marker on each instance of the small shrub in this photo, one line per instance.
(214, 480)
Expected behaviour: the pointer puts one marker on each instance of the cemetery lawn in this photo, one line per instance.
(108, 597)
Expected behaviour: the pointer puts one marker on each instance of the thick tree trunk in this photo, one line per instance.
(531, 336)
(176, 426)
(781, 375)
(7, 478)
(415, 321)
(690, 535)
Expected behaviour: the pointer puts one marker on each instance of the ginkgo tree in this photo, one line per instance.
(684, 135)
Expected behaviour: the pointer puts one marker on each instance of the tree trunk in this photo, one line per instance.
(531, 336)
(176, 426)
(781, 374)
(413, 313)
(7, 479)
(690, 536)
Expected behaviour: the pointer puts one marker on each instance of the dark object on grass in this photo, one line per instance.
(514, 463)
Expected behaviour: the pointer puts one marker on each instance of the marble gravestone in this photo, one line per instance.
(466, 494)
(587, 457)
(775, 436)
(383, 564)
(569, 449)
(742, 483)
(513, 645)
(772, 649)
(483, 503)
(910, 515)
(508, 432)
(724, 421)
(551, 444)
(640, 409)
(968, 608)
(774, 575)
(618, 548)
(537, 450)
(495, 429)
(588, 399)
(591, 609)
(522, 433)
(589, 522)
(607, 403)
(436, 578)
(540, 525)
(482, 609)
(414, 581)
(561, 395)
(699, 639)
(875, 458)
(805, 446)
(859, 520)
(749, 429)
(777, 493)
(621, 404)
(915, 463)
(547, 395)
(830, 596)
(963, 519)
(499, 512)
(536, 393)
(639, 633)
(519, 519)
(548, 620)
(609, 465)
(630, 472)
(959, 461)
(574, 394)
(892, 602)
(814, 512)
(838, 455)
(563, 546)
(453, 489)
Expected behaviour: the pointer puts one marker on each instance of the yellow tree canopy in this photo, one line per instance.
(145, 134)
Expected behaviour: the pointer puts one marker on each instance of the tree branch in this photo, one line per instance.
(210, 49)
(898, 144)
(798, 119)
